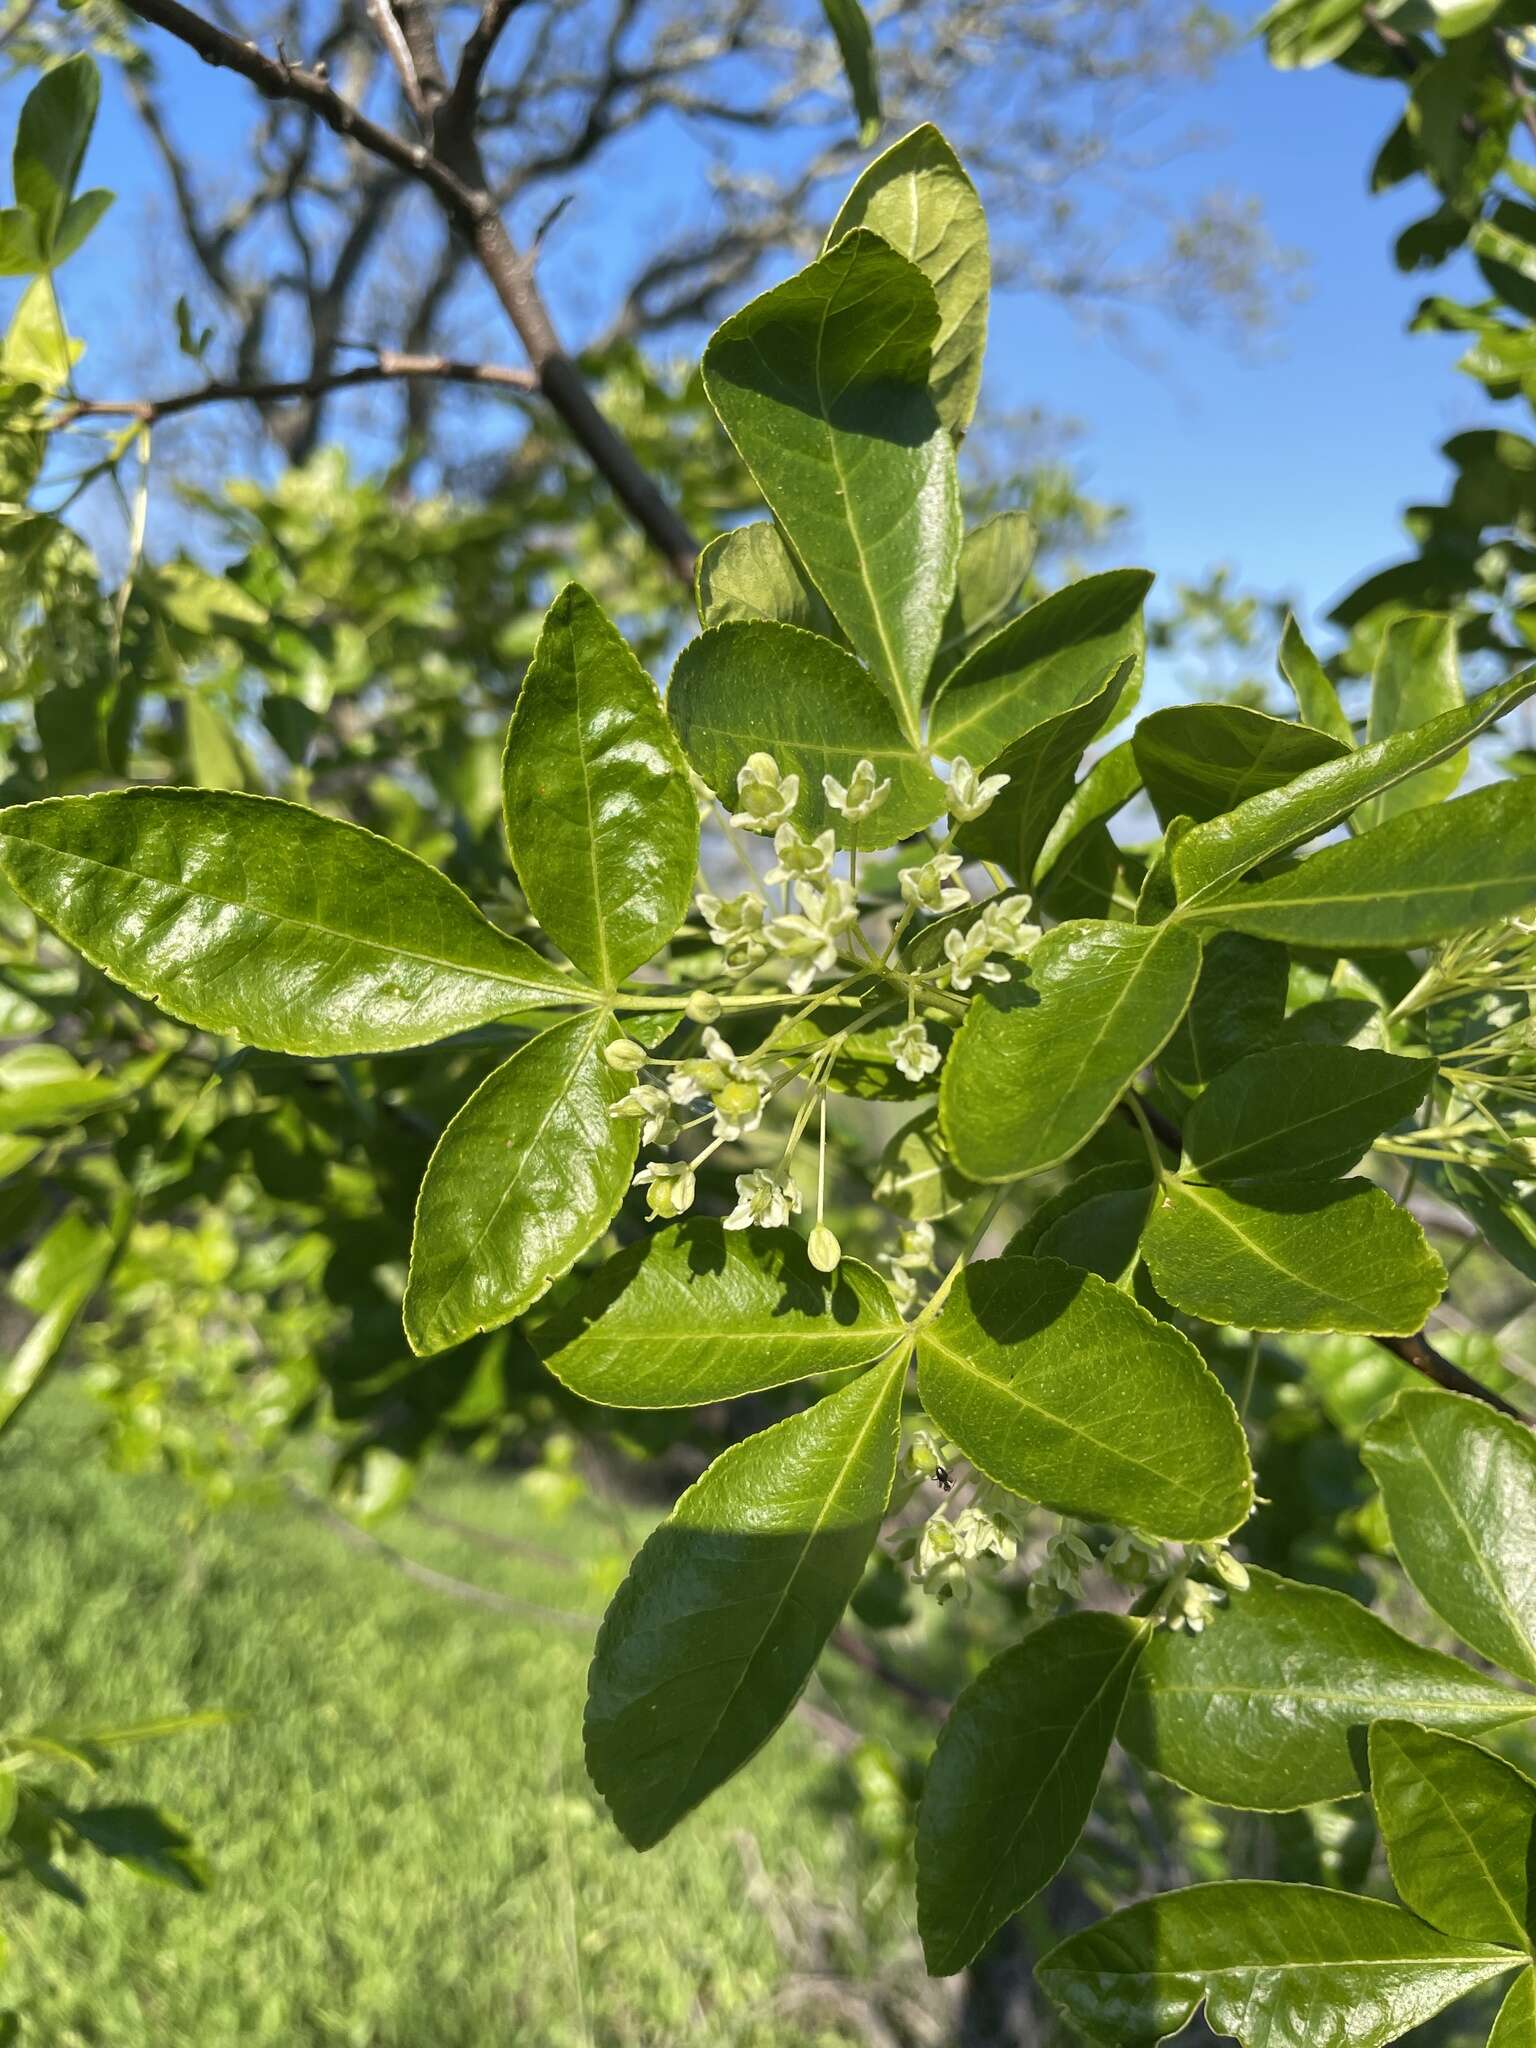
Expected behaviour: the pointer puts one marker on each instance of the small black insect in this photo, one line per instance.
(942, 1479)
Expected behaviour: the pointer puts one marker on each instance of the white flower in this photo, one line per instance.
(971, 795)
(967, 953)
(1192, 1606)
(1133, 1558)
(915, 1055)
(736, 926)
(1231, 1571)
(862, 795)
(1007, 927)
(916, 1253)
(738, 1108)
(809, 936)
(763, 1199)
(903, 1288)
(654, 1105)
(668, 1187)
(766, 797)
(1067, 1557)
(979, 1534)
(800, 860)
(930, 887)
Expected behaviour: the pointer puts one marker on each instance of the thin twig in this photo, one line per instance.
(392, 37)
(479, 45)
(388, 367)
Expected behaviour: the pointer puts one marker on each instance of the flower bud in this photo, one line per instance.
(625, 1056)
(703, 1007)
(825, 1252)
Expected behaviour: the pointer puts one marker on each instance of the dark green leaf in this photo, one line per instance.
(1238, 1007)
(1307, 1109)
(55, 126)
(822, 384)
(995, 560)
(752, 573)
(1200, 760)
(1055, 656)
(1214, 857)
(1277, 1965)
(699, 1313)
(601, 818)
(290, 930)
(1014, 1776)
(717, 1628)
(1061, 1388)
(1106, 788)
(1458, 1482)
(856, 46)
(1095, 1222)
(1417, 678)
(1037, 1066)
(1293, 1255)
(740, 690)
(1458, 1825)
(1268, 1707)
(527, 1175)
(1420, 876)
(918, 198)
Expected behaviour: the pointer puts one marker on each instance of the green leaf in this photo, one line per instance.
(20, 253)
(1417, 678)
(527, 1175)
(1238, 1008)
(917, 1177)
(1095, 1221)
(1277, 1965)
(865, 1064)
(42, 1086)
(51, 136)
(80, 218)
(1038, 1066)
(1421, 876)
(740, 690)
(699, 1313)
(1458, 1482)
(1458, 1824)
(713, 1635)
(601, 818)
(822, 384)
(1106, 788)
(919, 199)
(1311, 684)
(1515, 2026)
(1213, 858)
(290, 930)
(856, 46)
(1063, 1389)
(1305, 33)
(1200, 760)
(752, 573)
(1292, 1255)
(995, 560)
(1268, 1707)
(1058, 654)
(55, 1280)
(1040, 768)
(1013, 1778)
(1306, 1109)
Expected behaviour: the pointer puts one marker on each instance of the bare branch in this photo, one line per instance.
(388, 367)
(459, 108)
(399, 53)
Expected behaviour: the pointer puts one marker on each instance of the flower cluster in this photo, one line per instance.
(1002, 929)
(914, 1256)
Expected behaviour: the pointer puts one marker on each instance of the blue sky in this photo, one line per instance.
(1290, 464)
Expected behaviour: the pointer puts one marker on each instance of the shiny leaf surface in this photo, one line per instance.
(995, 561)
(1417, 677)
(1200, 760)
(1458, 1824)
(1306, 1109)
(751, 573)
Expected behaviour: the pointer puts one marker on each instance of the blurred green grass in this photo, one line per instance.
(406, 1851)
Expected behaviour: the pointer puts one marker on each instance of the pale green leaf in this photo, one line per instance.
(1201, 760)
(1316, 698)
(1277, 1966)
(1057, 655)
(713, 1635)
(1312, 1110)
(526, 1176)
(1039, 1065)
(995, 560)
(751, 573)
(699, 1313)
(1421, 876)
(1277, 1254)
(1458, 1824)
(1417, 677)
(1515, 2026)
(601, 817)
(918, 198)
(55, 1281)
(1013, 1778)
(1213, 858)
(290, 930)
(1458, 1482)
(1268, 1707)
(760, 688)
(1061, 1388)
(822, 384)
